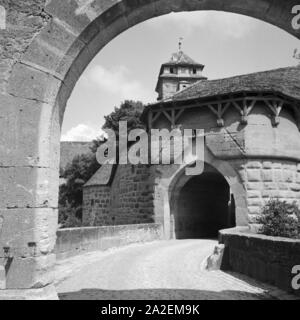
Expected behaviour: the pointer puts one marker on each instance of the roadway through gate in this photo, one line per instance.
(170, 270)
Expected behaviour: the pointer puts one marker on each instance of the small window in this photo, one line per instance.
(194, 71)
(171, 70)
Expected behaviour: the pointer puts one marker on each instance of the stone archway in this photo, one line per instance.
(41, 62)
(201, 206)
(172, 178)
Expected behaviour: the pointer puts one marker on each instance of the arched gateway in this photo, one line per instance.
(40, 63)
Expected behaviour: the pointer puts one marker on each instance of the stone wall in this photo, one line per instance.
(132, 195)
(266, 179)
(268, 259)
(96, 206)
(129, 199)
(76, 241)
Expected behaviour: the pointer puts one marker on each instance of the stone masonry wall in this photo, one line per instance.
(96, 205)
(265, 179)
(132, 195)
(76, 241)
(129, 200)
(267, 259)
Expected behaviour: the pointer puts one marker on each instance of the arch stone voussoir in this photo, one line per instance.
(69, 13)
(54, 50)
(19, 119)
(33, 84)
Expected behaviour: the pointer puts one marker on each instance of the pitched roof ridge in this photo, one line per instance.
(230, 78)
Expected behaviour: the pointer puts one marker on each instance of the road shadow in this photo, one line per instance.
(161, 294)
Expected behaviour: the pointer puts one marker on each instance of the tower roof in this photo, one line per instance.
(180, 58)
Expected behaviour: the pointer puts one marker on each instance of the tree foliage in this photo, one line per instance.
(84, 166)
(76, 174)
(129, 111)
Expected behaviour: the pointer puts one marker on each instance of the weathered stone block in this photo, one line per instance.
(267, 175)
(33, 272)
(277, 175)
(19, 118)
(288, 175)
(243, 175)
(295, 187)
(70, 13)
(254, 165)
(252, 202)
(43, 57)
(277, 165)
(286, 194)
(271, 194)
(253, 194)
(138, 11)
(254, 186)
(267, 165)
(283, 186)
(270, 186)
(28, 187)
(253, 175)
(27, 82)
(28, 232)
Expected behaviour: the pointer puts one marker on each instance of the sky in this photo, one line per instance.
(127, 68)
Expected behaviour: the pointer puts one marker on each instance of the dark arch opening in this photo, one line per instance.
(204, 206)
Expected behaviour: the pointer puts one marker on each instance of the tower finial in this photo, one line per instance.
(180, 43)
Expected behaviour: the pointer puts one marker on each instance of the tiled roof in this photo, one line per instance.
(284, 80)
(180, 58)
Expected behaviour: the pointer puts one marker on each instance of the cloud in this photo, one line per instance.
(82, 132)
(224, 23)
(116, 81)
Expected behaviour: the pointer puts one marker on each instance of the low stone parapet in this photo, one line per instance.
(265, 258)
(76, 241)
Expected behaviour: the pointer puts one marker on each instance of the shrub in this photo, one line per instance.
(69, 217)
(280, 219)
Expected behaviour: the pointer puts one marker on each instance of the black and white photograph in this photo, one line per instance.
(149, 154)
